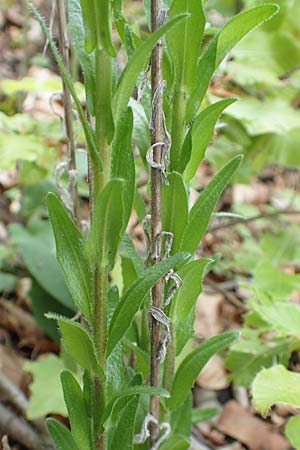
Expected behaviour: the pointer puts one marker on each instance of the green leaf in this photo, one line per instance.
(107, 225)
(124, 432)
(127, 250)
(36, 251)
(97, 165)
(292, 431)
(192, 365)
(129, 392)
(176, 442)
(184, 42)
(122, 162)
(192, 275)
(181, 418)
(232, 32)
(202, 132)
(79, 344)
(276, 385)
(81, 426)
(86, 61)
(135, 295)
(61, 436)
(97, 20)
(135, 66)
(202, 210)
(175, 208)
(203, 414)
(70, 251)
(46, 372)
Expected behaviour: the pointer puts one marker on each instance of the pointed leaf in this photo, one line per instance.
(276, 385)
(135, 66)
(202, 210)
(123, 161)
(175, 208)
(183, 49)
(135, 295)
(202, 132)
(124, 432)
(192, 365)
(232, 32)
(105, 234)
(80, 423)
(61, 436)
(70, 251)
(79, 344)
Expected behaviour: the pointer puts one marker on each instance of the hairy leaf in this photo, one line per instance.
(192, 365)
(135, 295)
(70, 251)
(61, 436)
(124, 432)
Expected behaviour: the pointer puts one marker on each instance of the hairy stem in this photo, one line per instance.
(64, 50)
(156, 212)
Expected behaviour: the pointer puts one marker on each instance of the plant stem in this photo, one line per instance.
(156, 212)
(64, 50)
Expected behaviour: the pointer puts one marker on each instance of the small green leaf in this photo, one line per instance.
(232, 32)
(81, 426)
(203, 208)
(135, 66)
(183, 49)
(181, 418)
(124, 432)
(127, 250)
(175, 208)
(79, 344)
(292, 431)
(70, 251)
(135, 295)
(202, 132)
(61, 436)
(122, 161)
(192, 275)
(192, 365)
(276, 385)
(107, 225)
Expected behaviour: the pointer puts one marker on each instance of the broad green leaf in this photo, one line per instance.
(141, 133)
(181, 418)
(192, 365)
(96, 162)
(276, 385)
(284, 317)
(107, 225)
(87, 61)
(135, 295)
(192, 275)
(70, 252)
(202, 132)
(292, 431)
(127, 250)
(232, 32)
(36, 251)
(61, 436)
(175, 208)
(203, 414)
(122, 161)
(78, 344)
(176, 442)
(249, 355)
(135, 66)
(80, 422)
(184, 42)
(45, 372)
(124, 432)
(202, 210)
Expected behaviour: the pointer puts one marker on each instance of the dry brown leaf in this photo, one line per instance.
(254, 193)
(213, 375)
(208, 315)
(240, 424)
